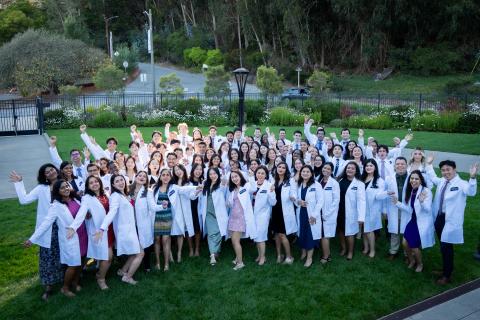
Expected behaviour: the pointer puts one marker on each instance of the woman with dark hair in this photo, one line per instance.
(263, 199)
(283, 221)
(157, 155)
(142, 196)
(50, 268)
(375, 193)
(337, 160)
(66, 173)
(331, 193)
(243, 152)
(208, 155)
(121, 213)
(252, 167)
(181, 207)
(214, 212)
(417, 220)
(309, 200)
(131, 169)
(63, 213)
(264, 140)
(270, 160)
(253, 155)
(358, 157)
(318, 162)
(348, 154)
(297, 166)
(119, 158)
(153, 171)
(351, 207)
(196, 179)
(262, 154)
(241, 222)
(95, 203)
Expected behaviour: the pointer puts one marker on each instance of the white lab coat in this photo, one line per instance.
(331, 194)
(374, 196)
(315, 200)
(262, 210)
(69, 248)
(354, 206)
(455, 201)
(42, 194)
(57, 161)
(392, 210)
(95, 149)
(122, 215)
(289, 189)
(424, 174)
(341, 165)
(246, 204)
(96, 250)
(145, 217)
(423, 211)
(219, 203)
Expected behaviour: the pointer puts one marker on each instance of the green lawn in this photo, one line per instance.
(398, 83)
(448, 142)
(360, 289)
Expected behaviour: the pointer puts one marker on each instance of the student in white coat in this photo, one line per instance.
(417, 220)
(122, 214)
(374, 195)
(331, 193)
(196, 179)
(214, 212)
(337, 160)
(95, 203)
(95, 149)
(76, 183)
(263, 199)
(351, 207)
(241, 222)
(181, 207)
(69, 248)
(50, 268)
(144, 214)
(309, 202)
(449, 209)
(284, 221)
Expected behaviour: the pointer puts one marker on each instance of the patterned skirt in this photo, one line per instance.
(50, 268)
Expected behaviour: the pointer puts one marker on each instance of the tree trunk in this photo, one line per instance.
(215, 36)
(322, 55)
(193, 14)
(259, 43)
(239, 35)
(184, 18)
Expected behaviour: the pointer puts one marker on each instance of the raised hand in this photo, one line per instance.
(360, 132)
(15, 177)
(133, 128)
(333, 135)
(474, 170)
(83, 128)
(267, 130)
(306, 118)
(53, 141)
(430, 158)
(86, 153)
(167, 125)
(409, 136)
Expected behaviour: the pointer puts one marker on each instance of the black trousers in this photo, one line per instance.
(445, 248)
(146, 259)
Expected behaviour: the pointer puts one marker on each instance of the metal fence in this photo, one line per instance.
(23, 116)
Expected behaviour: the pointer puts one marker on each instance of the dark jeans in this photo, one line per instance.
(146, 259)
(445, 248)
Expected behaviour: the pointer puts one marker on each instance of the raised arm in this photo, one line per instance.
(94, 148)
(23, 196)
(56, 160)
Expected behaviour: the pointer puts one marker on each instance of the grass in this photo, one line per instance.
(447, 142)
(360, 289)
(398, 83)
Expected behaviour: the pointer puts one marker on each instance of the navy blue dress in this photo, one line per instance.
(305, 239)
(411, 234)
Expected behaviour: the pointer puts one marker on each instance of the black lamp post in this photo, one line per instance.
(241, 75)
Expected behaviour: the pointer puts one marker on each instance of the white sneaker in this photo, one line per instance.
(288, 260)
(239, 266)
(213, 261)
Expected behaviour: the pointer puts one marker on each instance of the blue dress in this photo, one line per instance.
(305, 239)
(411, 234)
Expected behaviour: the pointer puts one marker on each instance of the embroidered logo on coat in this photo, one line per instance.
(328, 188)
(242, 191)
(354, 188)
(263, 191)
(454, 189)
(171, 192)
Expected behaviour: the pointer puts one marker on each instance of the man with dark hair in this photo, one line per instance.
(216, 139)
(95, 149)
(237, 138)
(200, 147)
(297, 138)
(79, 168)
(282, 134)
(448, 209)
(257, 135)
(317, 140)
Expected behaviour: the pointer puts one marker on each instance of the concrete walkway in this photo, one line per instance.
(24, 154)
(463, 161)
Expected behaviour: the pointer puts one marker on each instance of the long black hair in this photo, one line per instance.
(408, 191)
(208, 183)
(87, 187)
(112, 179)
(133, 186)
(317, 171)
(376, 175)
(192, 176)
(63, 165)
(332, 167)
(159, 182)
(185, 175)
(312, 178)
(344, 172)
(286, 177)
(231, 185)
(41, 178)
(264, 168)
(56, 191)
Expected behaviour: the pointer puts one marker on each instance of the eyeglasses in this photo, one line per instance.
(74, 154)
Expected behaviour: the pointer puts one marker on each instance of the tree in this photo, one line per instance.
(269, 81)
(74, 28)
(319, 81)
(170, 84)
(214, 58)
(19, 17)
(46, 62)
(194, 57)
(126, 54)
(217, 81)
(109, 78)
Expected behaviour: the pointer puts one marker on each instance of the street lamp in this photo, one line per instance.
(299, 69)
(108, 35)
(241, 75)
(150, 50)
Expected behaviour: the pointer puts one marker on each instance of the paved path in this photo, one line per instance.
(25, 154)
(463, 161)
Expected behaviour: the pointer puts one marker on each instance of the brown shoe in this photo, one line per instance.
(443, 281)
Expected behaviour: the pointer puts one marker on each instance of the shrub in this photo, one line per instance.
(370, 122)
(217, 82)
(337, 123)
(469, 123)
(254, 111)
(194, 57)
(268, 80)
(319, 81)
(436, 60)
(170, 83)
(109, 78)
(425, 122)
(124, 53)
(281, 116)
(107, 119)
(63, 118)
(191, 106)
(214, 58)
(448, 121)
(70, 90)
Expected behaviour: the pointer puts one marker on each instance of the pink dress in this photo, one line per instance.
(236, 221)
(73, 207)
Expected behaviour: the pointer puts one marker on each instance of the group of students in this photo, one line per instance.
(310, 189)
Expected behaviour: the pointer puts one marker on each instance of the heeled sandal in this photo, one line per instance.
(325, 260)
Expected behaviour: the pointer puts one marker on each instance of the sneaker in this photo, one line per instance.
(213, 261)
(120, 273)
(129, 280)
(239, 266)
(288, 260)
